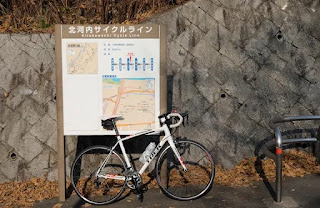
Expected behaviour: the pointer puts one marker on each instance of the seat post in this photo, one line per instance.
(115, 127)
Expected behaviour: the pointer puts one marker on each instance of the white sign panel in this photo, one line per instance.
(113, 74)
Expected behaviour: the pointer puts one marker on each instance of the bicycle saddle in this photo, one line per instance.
(111, 117)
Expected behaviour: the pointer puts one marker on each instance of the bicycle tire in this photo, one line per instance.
(174, 182)
(83, 168)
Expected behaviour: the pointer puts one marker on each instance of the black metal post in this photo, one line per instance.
(317, 147)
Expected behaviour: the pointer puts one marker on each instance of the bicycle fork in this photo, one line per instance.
(177, 154)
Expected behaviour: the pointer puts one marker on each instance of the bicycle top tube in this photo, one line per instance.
(165, 121)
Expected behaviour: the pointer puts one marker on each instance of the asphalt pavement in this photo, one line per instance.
(297, 192)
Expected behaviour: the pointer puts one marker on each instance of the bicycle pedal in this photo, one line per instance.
(140, 197)
(144, 189)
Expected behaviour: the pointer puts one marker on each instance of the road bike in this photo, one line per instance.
(184, 169)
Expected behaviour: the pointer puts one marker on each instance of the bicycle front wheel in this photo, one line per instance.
(104, 187)
(180, 185)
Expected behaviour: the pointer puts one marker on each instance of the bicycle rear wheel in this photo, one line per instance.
(180, 185)
(110, 183)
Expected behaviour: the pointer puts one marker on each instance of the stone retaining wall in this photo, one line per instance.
(235, 66)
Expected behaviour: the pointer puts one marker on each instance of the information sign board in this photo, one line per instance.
(111, 70)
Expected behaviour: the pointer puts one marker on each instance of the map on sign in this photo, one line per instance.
(82, 58)
(130, 97)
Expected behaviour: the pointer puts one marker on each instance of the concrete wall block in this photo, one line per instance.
(221, 69)
(301, 63)
(312, 75)
(272, 12)
(248, 13)
(194, 14)
(14, 130)
(31, 111)
(71, 144)
(47, 41)
(267, 31)
(53, 174)
(4, 38)
(309, 98)
(20, 38)
(196, 106)
(249, 69)
(2, 63)
(39, 166)
(290, 29)
(242, 33)
(30, 77)
(224, 35)
(18, 95)
(307, 43)
(288, 78)
(3, 178)
(280, 97)
(171, 22)
(23, 175)
(247, 128)
(211, 37)
(6, 115)
(257, 51)
(69, 160)
(176, 53)
(44, 92)
(9, 55)
(5, 150)
(10, 168)
(187, 90)
(238, 88)
(207, 55)
(224, 107)
(52, 142)
(28, 147)
(44, 128)
(52, 110)
(209, 88)
(185, 39)
(234, 52)
(255, 109)
(207, 6)
(7, 79)
(219, 15)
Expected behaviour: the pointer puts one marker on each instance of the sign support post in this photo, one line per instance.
(59, 102)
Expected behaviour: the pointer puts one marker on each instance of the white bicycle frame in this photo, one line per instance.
(167, 138)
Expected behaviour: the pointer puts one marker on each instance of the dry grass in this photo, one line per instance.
(295, 164)
(34, 16)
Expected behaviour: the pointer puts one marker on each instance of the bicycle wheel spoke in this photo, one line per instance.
(98, 190)
(193, 183)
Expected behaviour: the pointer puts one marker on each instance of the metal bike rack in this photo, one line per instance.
(277, 157)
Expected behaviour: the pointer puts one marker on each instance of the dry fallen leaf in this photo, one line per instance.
(57, 205)
(295, 164)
